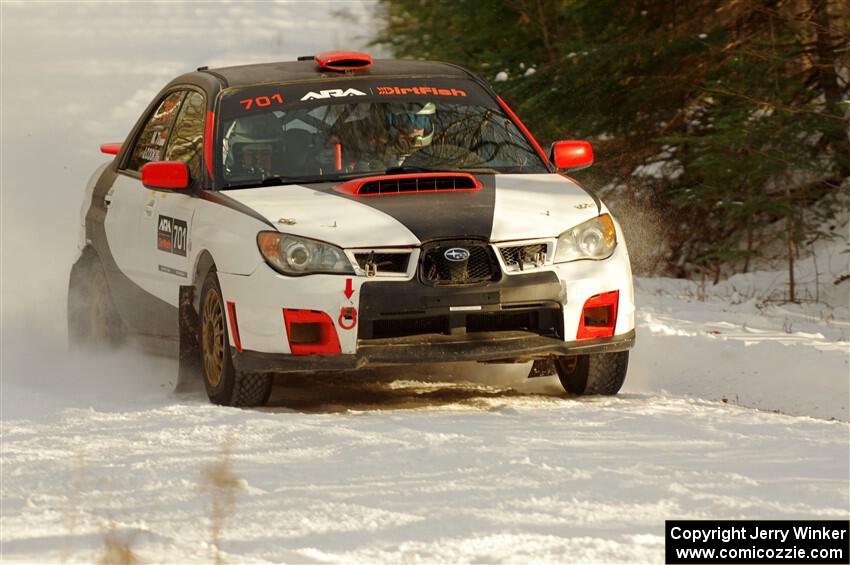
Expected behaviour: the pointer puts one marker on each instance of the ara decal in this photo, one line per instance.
(172, 235)
(332, 93)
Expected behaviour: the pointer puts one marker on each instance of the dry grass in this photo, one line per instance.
(116, 549)
(72, 509)
(217, 479)
(223, 485)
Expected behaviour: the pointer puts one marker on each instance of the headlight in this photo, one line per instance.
(292, 255)
(594, 239)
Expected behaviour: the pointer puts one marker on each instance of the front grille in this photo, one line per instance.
(501, 321)
(404, 185)
(541, 321)
(402, 327)
(524, 257)
(383, 262)
(479, 267)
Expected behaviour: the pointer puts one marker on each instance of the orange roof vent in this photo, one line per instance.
(343, 60)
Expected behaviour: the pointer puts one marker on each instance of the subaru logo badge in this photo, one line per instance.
(456, 254)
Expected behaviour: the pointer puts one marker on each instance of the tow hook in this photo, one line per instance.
(347, 317)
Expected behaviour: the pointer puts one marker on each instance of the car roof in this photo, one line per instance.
(244, 75)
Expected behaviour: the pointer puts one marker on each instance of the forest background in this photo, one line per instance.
(720, 128)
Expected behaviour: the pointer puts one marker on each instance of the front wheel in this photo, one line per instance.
(601, 373)
(224, 384)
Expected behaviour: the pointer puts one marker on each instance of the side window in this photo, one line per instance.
(187, 138)
(151, 141)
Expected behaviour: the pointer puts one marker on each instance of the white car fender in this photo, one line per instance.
(229, 235)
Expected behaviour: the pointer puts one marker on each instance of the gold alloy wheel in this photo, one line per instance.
(570, 365)
(212, 338)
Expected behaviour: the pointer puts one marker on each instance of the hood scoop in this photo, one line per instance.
(409, 184)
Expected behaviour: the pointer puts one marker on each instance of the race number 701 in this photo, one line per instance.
(261, 101)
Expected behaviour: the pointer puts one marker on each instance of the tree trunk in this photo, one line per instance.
(792, 245)
(825, 59)
(543, 19)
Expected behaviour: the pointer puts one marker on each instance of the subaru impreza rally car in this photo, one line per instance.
(336, 213)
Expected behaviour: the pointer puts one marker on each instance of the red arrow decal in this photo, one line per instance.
(348, 288)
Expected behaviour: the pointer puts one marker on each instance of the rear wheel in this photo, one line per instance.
(93, 320)
(224, 384)
(602, 373)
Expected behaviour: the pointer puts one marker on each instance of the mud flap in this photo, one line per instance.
(542, 368)
(189, 376)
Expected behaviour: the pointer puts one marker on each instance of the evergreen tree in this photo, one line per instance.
(744, 100)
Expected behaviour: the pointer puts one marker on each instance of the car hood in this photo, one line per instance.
(508, 207)
(531, 206)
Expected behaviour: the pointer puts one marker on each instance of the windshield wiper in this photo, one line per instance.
(276, 181)
(412, 169)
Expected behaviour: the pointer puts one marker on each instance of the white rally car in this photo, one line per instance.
(335, 213)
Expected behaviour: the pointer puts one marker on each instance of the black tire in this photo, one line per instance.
(224, 384)
(602, 373)
(93, 320)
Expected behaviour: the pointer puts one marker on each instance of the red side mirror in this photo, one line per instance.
(166, 174)
(572, 154)
(110, 148)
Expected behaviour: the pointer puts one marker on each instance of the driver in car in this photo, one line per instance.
(375, 137)
(410, 127)
(249, 144)
(412, 130)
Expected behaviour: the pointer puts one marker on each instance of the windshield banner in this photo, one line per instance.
(263, 98)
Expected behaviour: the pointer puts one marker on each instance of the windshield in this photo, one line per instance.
(358, 129)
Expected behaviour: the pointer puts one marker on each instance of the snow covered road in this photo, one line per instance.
(472, 463)
(426, 464)
(411, 472)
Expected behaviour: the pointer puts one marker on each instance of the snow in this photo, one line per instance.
(736, 405)
(501, 76)
(773, 357)
(662, 165)
(724, 415)
(666, 168)
(400, 471)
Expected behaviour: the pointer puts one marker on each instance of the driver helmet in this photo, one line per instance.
(249, 144)
(413, 121)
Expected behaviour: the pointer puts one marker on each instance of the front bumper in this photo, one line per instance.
(492, 347)
(546, 303)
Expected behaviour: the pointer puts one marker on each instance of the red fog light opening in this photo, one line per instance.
(311, 332)
(599, 316)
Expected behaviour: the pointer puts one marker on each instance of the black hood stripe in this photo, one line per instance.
(440, 215)
(218, 197)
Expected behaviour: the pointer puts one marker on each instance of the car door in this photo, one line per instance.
(128, 203)
(167, 223)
